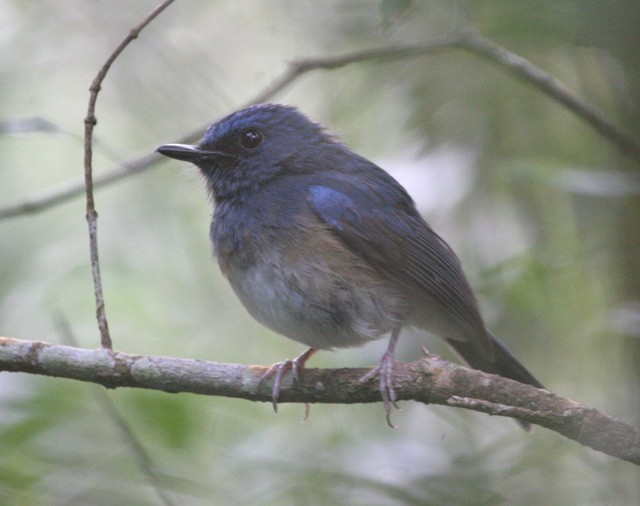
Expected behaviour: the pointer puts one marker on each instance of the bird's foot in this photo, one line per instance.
(385, 372)
(280, 369)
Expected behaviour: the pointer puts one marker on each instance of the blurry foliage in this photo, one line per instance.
(548, 230)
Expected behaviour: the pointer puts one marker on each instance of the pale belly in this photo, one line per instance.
(323, 301)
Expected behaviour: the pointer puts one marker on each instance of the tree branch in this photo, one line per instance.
(431, 380)
(475, 44)
(90, 122)
(553, 88)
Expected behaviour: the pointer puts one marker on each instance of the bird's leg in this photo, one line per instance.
(280, 369)
(385, 371)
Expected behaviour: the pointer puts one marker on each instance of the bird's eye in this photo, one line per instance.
(251, 138)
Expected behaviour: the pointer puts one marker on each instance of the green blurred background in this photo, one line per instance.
(544, 213)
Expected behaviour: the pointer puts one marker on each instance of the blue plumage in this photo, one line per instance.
(326, 248)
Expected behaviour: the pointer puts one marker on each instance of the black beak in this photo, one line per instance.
(183, 152)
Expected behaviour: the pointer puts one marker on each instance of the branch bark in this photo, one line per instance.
(431, 380)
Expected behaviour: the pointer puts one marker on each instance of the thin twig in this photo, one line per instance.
(39, 124)
(68, 190)
(526, 70)
(431, 380)
(92, 216)
(552, 87)
(143, 458)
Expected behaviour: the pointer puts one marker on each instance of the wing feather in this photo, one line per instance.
(388, 232)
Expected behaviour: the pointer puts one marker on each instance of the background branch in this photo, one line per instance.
(431, 380)
(553, 88)
(481, 46)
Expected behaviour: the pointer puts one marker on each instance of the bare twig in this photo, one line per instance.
(297, 68)
(92, 216)
(39, 124)
(551, 87)
(523, 68)
(431, 380)
(68, 190)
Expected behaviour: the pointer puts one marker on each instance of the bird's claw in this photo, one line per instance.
(280, 369)
(388, 393)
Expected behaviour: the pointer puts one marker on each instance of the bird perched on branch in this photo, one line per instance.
(326, 248)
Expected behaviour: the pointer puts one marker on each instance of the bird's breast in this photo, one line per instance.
(300, 280)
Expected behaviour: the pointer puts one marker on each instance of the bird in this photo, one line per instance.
(326, 248)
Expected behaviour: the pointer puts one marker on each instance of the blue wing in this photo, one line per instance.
(379, 222)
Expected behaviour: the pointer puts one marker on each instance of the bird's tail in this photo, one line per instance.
(504, 363)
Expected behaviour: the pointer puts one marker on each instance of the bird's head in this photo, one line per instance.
(251, 146)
